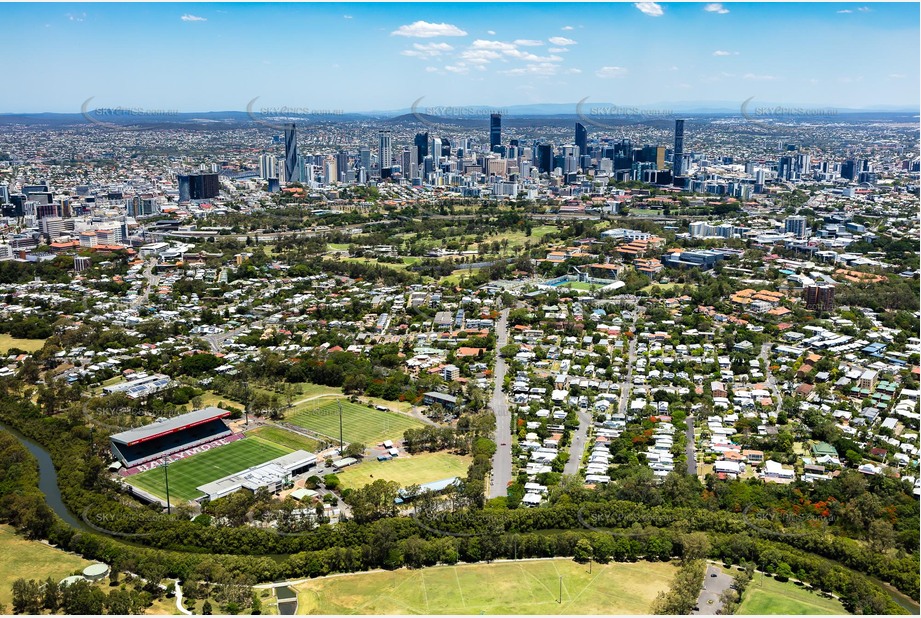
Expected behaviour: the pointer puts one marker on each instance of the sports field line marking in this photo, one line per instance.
(425, 592)
(529, 574)
(560, 575)
(460, 588)
(587, 586)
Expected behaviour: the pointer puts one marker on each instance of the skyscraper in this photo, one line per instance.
(544, 158)
(581, 138)
(342, 166)
(678, 156)
(201, 186)
(268, 166)
(495, 130)
(385, 153)
(421, 142)
(291, 171)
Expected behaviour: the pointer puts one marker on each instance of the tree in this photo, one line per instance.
(51, 595)
(206, 608)
(82, 598)
(374, 501)
(354, 449)
(583, 551)
(26, 597)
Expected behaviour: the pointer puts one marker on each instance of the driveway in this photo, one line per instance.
(708, 602)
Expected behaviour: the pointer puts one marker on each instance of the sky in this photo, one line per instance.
(365, 57)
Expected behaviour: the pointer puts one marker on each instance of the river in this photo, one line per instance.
(48, 480)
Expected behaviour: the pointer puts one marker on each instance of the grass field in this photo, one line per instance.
(406, 470)
(359, 423)
(774, 597)
(285, 438)
(32, 560)
(581, 285)
(526, 587)
(26, 345)
(187, 474)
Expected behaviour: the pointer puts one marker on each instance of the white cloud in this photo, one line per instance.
(188, 17)
(528, 42)
(611, 72)
(495, 45)
(346, 17)
(649, 8)
(431, 69)
(529, 57)
(567, 28)
(459, 68)
(79, 17)
(573, 71)
(490, 32)
(561, 41)
(723, 52)
(557, 50)
(896, 76)
(760, 78)
(845, 11)
(542, 69)
(426, 30)
(480, 56)
(426, 50)
(716, 7)
(864, 9)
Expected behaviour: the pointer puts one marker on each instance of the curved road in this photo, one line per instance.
(501, 474)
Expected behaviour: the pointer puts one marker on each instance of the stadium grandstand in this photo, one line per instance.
(168, 436)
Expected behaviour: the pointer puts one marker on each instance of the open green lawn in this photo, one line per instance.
(210, 398)
(32, 560)
(285, 438)
(26, 345)
(662, 286)
(581, 285)
(525, 587)
(359, 423)
(187, 474)
(406, 469)
(774, 597)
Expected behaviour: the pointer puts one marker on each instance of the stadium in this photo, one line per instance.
(162, 438)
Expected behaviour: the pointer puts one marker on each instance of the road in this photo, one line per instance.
(579, 438)
(501, 474)
(151, 278)
(216, 340)
(708, 602)
(690, 448)
(627, 384)
(769, 377)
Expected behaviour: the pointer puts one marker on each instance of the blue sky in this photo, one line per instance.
(360, 57)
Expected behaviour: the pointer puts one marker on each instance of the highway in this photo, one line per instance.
(501, 474)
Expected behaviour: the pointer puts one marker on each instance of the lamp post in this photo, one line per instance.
(166, 479)
(340, 427)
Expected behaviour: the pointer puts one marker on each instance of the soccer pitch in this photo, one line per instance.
(523, 587)
(769, 596)
(359, 423)
(187, 474)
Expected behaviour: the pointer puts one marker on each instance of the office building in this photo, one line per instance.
(798, 226)
(495, 130)
(421, 143)
(364, 158)
(291, 171)
(581, 139)
(203, 186)
(545, 158)
(678, 153)
(385, 152)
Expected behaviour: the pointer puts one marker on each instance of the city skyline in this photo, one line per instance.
(644, 54)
